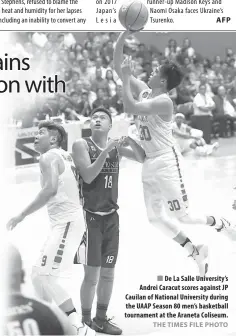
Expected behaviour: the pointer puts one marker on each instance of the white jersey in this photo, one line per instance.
(156, 135)
(183, 128)
(65, 206)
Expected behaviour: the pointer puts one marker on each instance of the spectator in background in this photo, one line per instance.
(91, 94)
(172, 50)
(203, 80)
(71, 56)
(228, 54)
(232, 93)
(203, 103)
(99, 82)
(216, 73)
(89, 47)
(186, 52)
(187, 66)
(214, 85)
(98, 65)
(198, 68)
(78, 51)
(217, 60)
(74, 78)
(113, 38)
(78, 87)
(187, 48)
(224, 112)
(86, 56)
(225, 70)
(84, 73)
(84, 107)
(202, 116)
(101, 100)
(117, 106)
(144, 53)
(107, 53)
(231, 68)
(111, 83)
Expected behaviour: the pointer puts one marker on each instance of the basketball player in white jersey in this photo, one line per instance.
(60, 193)
(189, 138)
(163, 182)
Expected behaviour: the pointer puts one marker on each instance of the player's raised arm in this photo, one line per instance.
(137, 85)
(49, 167)
(87, 170)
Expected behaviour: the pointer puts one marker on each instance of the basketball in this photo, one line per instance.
(133, 15)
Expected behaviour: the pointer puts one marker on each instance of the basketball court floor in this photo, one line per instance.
(145, 252)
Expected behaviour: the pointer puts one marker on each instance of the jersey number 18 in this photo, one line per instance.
(108, 181)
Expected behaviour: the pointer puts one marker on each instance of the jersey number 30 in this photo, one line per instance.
(144, 133)
(108, 181)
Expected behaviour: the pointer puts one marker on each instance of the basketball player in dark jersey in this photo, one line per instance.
(97, 159)
(26, 316)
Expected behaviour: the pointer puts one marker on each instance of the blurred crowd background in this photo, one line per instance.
(206, 96)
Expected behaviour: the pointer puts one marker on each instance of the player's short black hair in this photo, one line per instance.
(52, 126)
(172, 73)
(102, 109)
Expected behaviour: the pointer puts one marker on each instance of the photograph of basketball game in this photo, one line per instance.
(122, 185)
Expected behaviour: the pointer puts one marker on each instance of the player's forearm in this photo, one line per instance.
(40, 201)
(138, 151)
(182, 135)
(118, 53)
(128, 99)
(91, 172)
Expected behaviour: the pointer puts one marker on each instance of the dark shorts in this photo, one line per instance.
(100, 243)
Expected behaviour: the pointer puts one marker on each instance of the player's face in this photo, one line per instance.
(100, 122)
(179, 121)
(155, 78)
(42, 141)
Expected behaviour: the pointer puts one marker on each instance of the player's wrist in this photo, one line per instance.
(105, 151)
(22, 215)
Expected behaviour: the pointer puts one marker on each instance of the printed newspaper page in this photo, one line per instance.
(118, 169)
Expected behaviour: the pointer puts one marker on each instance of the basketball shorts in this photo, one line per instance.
(163, 185)
(100, 243)
(57, 255)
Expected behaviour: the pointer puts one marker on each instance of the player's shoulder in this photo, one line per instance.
(165, 98)
(48, 157)
(80, 144)
(163, 101)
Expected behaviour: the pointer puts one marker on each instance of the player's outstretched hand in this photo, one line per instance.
(14, 221)
(112, 143)
(134, 31)
(123, 141)
(234, 205)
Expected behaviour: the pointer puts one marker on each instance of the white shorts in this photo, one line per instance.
(163, 185)
(57, 255)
